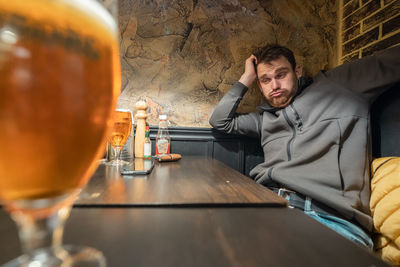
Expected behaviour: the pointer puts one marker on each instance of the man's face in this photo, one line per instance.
(278, 81)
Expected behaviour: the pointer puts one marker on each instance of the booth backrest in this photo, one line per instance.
(385, 121)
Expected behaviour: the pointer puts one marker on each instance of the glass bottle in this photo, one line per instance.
(147, 144)
(163, 139)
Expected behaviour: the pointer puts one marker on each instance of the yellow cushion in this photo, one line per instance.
(385, 207)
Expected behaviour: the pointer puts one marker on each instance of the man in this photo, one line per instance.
(314, 133)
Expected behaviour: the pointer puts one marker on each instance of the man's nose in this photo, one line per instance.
(275, 84)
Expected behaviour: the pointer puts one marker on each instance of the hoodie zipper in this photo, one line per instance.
(293, 136)
(299, 123)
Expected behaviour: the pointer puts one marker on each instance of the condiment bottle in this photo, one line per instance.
(147, 144)
(163, 139)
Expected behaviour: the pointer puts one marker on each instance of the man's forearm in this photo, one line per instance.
(221, 118)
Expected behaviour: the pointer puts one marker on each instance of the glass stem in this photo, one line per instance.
(42, 232)
(117, 153)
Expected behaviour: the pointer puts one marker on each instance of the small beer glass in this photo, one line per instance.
(120, 132)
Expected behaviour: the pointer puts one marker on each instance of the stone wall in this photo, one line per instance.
(182, 56)
(368, 26)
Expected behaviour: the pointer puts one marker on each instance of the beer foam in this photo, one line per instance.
(97, 11)
(123, 110)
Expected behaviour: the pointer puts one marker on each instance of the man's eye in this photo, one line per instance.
(281, 75)
(265, 80)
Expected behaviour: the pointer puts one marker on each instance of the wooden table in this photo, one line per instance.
(195, 212)
(193, 236)
(192, 181)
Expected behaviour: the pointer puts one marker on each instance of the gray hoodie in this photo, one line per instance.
(319, 145)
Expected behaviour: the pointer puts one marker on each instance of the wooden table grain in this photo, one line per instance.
(192, 181)
(198, 237)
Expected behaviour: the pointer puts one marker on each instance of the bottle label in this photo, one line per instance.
(162, 147)
(147, 151)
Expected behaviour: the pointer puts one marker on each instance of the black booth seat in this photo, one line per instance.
(385, 118)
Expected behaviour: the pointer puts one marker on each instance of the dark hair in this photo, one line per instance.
(272, 52)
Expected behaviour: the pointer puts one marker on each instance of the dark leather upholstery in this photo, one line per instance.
(385, 118)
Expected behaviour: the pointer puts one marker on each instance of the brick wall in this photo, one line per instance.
(367, 26)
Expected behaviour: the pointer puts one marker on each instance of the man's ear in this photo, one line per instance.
(299, 71)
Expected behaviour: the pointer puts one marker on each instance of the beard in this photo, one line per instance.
(281, 101)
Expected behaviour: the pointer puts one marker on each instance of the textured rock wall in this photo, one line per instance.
(182, 56)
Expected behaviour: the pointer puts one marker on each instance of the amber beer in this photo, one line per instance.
(121, 128)
(59, 79)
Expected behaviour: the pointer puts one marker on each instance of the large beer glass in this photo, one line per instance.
(59, 81)
(122, 124)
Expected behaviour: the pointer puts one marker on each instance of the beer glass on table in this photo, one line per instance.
(59, 80)
(122, 124)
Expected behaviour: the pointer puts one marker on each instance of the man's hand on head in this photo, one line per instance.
(250, 74)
